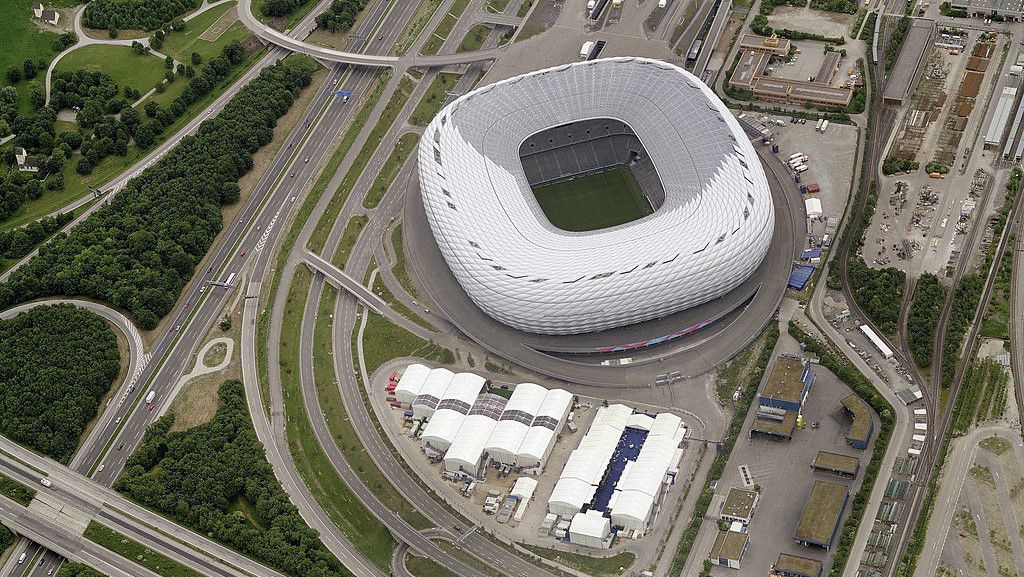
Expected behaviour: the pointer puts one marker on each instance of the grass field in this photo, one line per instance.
(203, 37)
(141, 72)
(22, 40)
(593, 201)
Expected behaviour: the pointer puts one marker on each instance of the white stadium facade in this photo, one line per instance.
(711, 215)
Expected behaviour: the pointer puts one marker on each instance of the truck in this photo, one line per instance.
(585, 50)
(824, 126)
(818, 126)
(795, 155)
(694, 50)
(662, 3)
(150, 397)
(813, 187)
(800, 168)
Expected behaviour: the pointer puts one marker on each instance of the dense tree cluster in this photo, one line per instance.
(197, 477)
(923, 318)
(18, 242)
(138, 251)
(57, 362)
(280, 7)
(341, 15)
(6, 538)
(78, 570)
(877, 292)
(135, 14)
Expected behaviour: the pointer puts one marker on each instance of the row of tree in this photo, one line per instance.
(341, 15)
(135, 14)
(78, 570)
(139, 250)
(923, 318)
(57, 362)
(18, 242)
(200, 475)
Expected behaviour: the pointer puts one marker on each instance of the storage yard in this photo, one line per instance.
(545, 464)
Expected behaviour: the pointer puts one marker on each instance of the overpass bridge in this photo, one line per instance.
(267, 34)
(346, 282)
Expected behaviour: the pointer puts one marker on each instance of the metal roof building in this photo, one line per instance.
(431, 392)
(514, 423)
(467, 448)
(411, 382)
(587, 463)
(590, 529)
(640, 488)
(452, 410)
(520, 269)
(547, 425)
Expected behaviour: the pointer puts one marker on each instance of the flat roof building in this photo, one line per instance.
(794, 566)
(787, 385)
(739, 506)
(842, 465)
(729, 548)
(862, 427)
(822, 513)
(1011, 9)
(904, 72)
(590, 529)
(768, 44)
(779, 426)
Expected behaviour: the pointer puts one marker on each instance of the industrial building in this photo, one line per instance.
(794, 566)
(862, 427)
(905, 71)
(524, 271)
(1008, 9)
(729, 548)
(756, 53)
(781, 398)
(822, 513)
(590, 529)
(997, 126)
(452, 410)
(620, 468)
(470, 427)
(842, 465)
(739, 506)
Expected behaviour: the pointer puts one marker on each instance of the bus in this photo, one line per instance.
(694, 50)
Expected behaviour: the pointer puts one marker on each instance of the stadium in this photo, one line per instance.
(594, 195)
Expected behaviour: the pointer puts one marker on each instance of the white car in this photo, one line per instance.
(45, 482)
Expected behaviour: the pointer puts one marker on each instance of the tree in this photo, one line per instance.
(14, 74)
(84, 166)
(169, 63)
(151, 109)
(38, 96)
(112, 31)
(196, 59)
(138, 47)
(29, 68)
(156, 42)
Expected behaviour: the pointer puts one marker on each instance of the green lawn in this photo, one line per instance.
(424, 12)
(399, 270)
(597, 566)
(181, 45)
(392, 166)
(15, 490)
(444, 28)
(434, 98)
(22, 40)
(474, 39)
(353, 229)
(593, 201)
(496, 6)
(425, 567)
(141, 72)
(136, 552)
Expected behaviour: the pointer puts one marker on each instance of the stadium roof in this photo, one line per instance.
(520, 269)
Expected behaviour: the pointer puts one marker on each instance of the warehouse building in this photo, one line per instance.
(822, 513)
(466, 450)
(587, 463)
(729, 548)
(514, 423)
(523, 490)
(996, 126)
(640, 486)
(431, 392)
(1009, 9)
(862, 427)
(905, 71)
(842, 465)
(451, 411)
(546, 426)
(410, 384)
(590, 529)
(794, 566)
(739, 506)
(781, 398)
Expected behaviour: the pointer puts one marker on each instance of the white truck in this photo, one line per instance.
(824, 126)
(150, 397)
(800, 167)
(586, 49)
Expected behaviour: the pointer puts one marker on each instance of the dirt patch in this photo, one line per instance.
(971, 85)
(215, 355)
(198, 401)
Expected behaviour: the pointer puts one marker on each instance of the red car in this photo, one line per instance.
(394, 376)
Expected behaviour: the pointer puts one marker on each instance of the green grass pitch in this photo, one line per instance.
(593, 201)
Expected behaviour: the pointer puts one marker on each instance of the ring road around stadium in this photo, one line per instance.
(595, 211)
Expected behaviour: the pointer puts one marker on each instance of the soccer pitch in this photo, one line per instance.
(593, 201)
